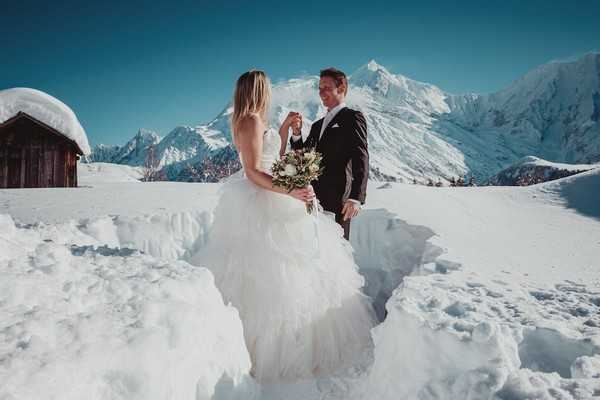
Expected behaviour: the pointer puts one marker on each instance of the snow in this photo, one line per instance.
(106, 172)
(531, 170)
(483, 292)
(54, 205)
(516, 316)
(81, 319)
(46, 109)
(551, 112)
(536, 161)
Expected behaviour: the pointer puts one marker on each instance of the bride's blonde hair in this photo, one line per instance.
(252, 96)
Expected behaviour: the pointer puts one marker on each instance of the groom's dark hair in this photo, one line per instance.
(338, 76)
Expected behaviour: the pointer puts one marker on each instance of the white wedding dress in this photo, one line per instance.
(299, 297)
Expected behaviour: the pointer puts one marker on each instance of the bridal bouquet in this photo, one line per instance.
(297, 169)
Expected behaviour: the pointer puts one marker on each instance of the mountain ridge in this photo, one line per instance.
(417, 130)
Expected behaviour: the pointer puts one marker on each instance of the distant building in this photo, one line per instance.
(35, 155)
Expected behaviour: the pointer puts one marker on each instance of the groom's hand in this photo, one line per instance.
(350, 209)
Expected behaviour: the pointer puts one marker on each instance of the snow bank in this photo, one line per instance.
(98, 322)
(421, 354)
(45, 108)
(462, 337)
(580, 192)
(458, 329)
(170, 236)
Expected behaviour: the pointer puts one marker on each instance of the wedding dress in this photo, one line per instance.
(292, 278)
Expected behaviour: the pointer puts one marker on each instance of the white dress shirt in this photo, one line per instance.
(330, 116)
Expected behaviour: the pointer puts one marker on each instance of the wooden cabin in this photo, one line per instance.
(35, 155)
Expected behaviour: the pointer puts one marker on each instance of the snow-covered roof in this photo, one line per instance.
(46, 109)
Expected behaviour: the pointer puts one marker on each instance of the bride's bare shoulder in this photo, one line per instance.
(251, 123)
(249, 130)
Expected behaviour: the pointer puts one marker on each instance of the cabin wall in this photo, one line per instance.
(30, 156)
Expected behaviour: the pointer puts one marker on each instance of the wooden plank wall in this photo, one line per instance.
(31, 157)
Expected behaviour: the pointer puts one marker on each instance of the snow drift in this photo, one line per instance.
(99, 322)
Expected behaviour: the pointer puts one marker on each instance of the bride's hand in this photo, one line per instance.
(293, 117)
(305, 194)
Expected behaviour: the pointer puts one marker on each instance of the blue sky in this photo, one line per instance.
(145, 64)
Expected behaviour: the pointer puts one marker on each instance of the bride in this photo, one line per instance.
(299, 298)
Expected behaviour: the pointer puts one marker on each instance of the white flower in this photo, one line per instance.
(309, 156)
(290, 170)
(313, 167)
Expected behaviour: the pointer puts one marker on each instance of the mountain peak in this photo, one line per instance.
(148, 135)
(374, 66)
(373, 75)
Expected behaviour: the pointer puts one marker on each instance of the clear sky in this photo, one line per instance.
(130, 64)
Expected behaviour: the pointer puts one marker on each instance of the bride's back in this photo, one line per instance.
(266, 150)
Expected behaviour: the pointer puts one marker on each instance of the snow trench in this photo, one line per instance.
(444, 334)
(388, 249)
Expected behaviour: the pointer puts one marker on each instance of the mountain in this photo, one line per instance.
(532, 170)
(181, 149)
(417, 130)
(185, 146)
(133, 153)
(552, 112)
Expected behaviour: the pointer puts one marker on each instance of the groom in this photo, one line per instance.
(341, 137)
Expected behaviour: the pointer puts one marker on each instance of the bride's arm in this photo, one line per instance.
(250, 143)
(292, 118)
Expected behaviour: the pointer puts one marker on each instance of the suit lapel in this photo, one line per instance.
(315, 139)
(331, 123)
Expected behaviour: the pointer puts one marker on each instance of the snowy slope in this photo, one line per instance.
(531, 170)
(46, 109)
(91, 173)
(491, 292)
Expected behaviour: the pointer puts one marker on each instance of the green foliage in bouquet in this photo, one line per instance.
(297, 169)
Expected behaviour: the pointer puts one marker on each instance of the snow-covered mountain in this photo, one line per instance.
(133, 153)
(531, 170)
(552, 112)
(183, 147)
(417, 130)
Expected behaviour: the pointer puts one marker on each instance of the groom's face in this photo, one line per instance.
(330, 94)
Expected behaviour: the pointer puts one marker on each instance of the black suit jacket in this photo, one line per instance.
(345, 158)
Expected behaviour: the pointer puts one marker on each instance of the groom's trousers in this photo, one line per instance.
(339, 218)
